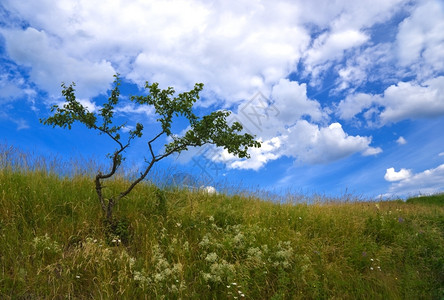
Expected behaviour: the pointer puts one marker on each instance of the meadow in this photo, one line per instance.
(180, 244)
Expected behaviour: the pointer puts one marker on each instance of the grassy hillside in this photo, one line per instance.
(433, 200)
(181, 244)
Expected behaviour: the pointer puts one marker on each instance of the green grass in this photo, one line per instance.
(54, 244)
(433, 199)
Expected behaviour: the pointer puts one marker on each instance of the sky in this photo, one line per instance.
(346, 96)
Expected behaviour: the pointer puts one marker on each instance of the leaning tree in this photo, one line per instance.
(209, 129)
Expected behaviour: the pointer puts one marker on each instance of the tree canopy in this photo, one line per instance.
(210, 129)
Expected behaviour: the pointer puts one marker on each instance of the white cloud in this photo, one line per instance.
(427, 182)
(353, 105)
(420, 40)
(203, 157)
(259, 156)
(331, 46)
(291, 100)
(234, 47)
(375, 63)
(306, 142)
(343, 14)
(13, 86)
(405, 100)
(392, 175)
(344, 27)
(51, 65)
(408, 100)
(21, 124)
(233, 53)
(89, 105)
(441, 154)
(279, 125)
(401, 141)
(313, 144)
(131, 108)
(9, 90)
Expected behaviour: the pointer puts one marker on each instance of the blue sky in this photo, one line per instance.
(344, 95)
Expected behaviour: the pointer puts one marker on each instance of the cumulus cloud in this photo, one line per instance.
(130, 109)
(13, 85)
(405, 100)
(290, 98)
(344, 28)
(51, 65)
(259, 156)
(354, 104)
(10, 89)
(305, 142)
(426, 182)
(416, 52)
(401, 141)
(313, 144)
(420, 41)
(331, 46)
(408, 100)
(279, 123)
(373, 63)
(391, 175)
(234, 48)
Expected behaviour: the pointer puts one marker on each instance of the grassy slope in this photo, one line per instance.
(53, 244)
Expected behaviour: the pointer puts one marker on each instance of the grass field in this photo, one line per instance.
(180, 244)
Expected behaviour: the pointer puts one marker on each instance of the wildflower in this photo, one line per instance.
(255, 253)
(205, 241)
(77, 276)
(212, 257)
(186, 245)
(400, 220)
(371, 268)
(238, 238)
(377, 206)
(132, 262)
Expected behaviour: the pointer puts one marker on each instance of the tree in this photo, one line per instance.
(210, 129)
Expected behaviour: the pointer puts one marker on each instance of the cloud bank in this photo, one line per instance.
(408, 184)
